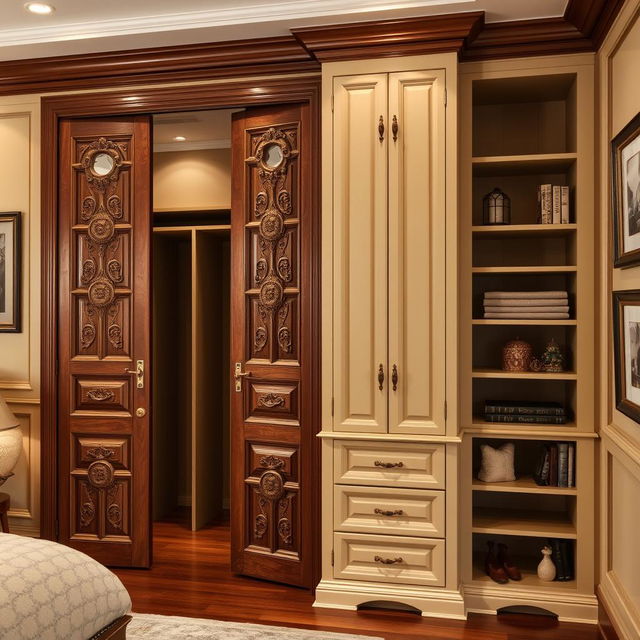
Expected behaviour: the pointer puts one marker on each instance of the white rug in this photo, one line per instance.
(145, 626)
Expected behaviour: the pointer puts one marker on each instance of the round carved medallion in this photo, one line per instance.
(100, 474)
(271, 293)
(271, 225)
(101, 293)
(101, 229)
(271, 485)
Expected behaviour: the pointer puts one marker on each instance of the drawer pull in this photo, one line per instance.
(381, 560)
(382, 512)
(388, 465)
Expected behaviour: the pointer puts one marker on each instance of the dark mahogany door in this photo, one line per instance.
(104, 338)
(271, 433)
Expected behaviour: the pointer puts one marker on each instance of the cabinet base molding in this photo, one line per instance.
(568, 607)
(348, 595)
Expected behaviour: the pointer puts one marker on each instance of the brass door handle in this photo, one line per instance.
(388, 465)
(383, 512)
(138, 372)
(380, 377)
(394, 377)
(394, 128)
(381, 129)
(238, 374)
(381, 560)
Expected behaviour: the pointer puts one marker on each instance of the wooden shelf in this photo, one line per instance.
(545, 431)
(511, 522)
(524, 484)
(534, 269)
(516, 321)
(522, 375)
(523, 230)
(542, 163)
(187, 229)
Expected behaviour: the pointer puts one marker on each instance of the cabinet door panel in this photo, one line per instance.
(360, 250)
(417, 252)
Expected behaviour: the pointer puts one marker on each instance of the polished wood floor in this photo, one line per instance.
(191, 577)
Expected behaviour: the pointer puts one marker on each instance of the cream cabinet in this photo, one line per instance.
(389, 249)
(389, 452)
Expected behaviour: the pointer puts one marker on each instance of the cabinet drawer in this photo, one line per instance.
(400, 512)
(388, 464)
(389, 559)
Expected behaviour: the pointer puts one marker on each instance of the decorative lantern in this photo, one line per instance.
(516, 355)
(552, 358)
(496, 208)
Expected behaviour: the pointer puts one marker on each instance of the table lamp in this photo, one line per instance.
(10, 441)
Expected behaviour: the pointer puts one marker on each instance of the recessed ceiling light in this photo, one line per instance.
(40, 8)
(179, 138)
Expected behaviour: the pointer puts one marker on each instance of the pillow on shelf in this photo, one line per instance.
(497, 464)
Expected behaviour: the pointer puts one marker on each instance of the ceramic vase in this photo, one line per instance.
(546, 568)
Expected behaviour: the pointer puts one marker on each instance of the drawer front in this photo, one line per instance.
(389, 559)
(387, 464)
(398, 512)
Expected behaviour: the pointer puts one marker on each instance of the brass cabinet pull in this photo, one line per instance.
(382, 512)
(381, 129)
(394, 377)
(380, 377)
(388, 465)
(381, 560)
(138, 372)
(394, 128)
(238, 374)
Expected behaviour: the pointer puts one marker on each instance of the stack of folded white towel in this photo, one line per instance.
(530, 305)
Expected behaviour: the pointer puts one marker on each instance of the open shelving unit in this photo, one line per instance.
(520, 127)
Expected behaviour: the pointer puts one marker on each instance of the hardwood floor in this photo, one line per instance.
(191, 577)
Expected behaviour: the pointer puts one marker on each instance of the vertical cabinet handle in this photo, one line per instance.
(381, 377)
(394, 128)
(394, 377)
(381, 129)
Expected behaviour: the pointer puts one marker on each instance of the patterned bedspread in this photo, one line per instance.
(51, 592)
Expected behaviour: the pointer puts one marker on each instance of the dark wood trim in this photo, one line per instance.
(240, 58)
(401, 37)
(155, 100)
(117, 630)
(593, 19)
(605, 626)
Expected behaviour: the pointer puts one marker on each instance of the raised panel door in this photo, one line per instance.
(417, 253)
(360, 250)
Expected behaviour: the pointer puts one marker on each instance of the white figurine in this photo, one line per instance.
(546, 568)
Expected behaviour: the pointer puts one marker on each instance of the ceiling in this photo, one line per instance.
(92, 26)
(202, 130)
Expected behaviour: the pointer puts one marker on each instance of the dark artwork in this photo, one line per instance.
(633, 197)
(3, 271)
(634, 347)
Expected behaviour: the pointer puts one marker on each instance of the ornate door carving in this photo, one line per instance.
(104, 266)
(272, 497)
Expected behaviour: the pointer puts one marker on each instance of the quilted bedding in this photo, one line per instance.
(51, 592)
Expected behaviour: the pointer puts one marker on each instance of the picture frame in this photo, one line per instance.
(10, 272)
(626, 338)
(625, 193)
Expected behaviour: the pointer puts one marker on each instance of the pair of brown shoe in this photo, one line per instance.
(499, 566)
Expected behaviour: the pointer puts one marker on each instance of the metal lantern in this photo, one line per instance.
(496, 208)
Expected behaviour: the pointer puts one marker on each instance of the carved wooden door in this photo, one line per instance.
(272, 498)
(104, 338)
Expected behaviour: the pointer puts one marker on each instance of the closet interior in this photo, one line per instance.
(191, 313)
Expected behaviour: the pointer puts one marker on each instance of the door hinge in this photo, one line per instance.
(332, 103)
(333, 405)
(446, 98)
(332, 557)
(445, 410)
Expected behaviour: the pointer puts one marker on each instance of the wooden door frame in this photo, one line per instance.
(165, 99)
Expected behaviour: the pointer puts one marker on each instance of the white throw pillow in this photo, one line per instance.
(497, 464)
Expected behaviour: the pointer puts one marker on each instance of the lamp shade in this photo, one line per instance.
(7, 419)
(10, 441)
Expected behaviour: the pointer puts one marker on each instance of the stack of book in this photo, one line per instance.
(525, 412)
(553, 204)
(562, 556)
(557, 465)
(528, 305)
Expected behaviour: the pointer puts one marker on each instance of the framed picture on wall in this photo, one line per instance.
(625, 189)
(10, 271)
(626, 337)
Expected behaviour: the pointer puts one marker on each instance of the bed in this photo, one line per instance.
(52, 592)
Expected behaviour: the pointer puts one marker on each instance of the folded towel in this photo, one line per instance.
(529, 316)
(527, 310)
(525, 294)
(525, 302)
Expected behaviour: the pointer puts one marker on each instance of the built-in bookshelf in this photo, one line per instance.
(521, 128)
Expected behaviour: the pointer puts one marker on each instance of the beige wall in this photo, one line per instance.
(20, 352)
(618, 64)
(192, 179)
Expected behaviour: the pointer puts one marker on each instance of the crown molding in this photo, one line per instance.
(386, 38)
